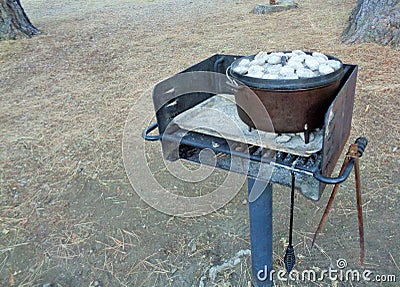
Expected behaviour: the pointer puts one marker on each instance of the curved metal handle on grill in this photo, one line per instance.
(148, 130)
(362, 144)
(231, 82)
(218, 63)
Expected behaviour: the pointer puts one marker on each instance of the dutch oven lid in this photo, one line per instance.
(285, 84)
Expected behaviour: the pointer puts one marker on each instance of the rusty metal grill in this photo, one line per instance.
(169, 103)
(307, 170)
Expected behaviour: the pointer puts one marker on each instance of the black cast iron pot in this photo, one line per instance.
(293, 106)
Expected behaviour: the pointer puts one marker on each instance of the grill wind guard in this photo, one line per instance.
(311, 172)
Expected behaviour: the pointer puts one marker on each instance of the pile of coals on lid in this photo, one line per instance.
(287, 65)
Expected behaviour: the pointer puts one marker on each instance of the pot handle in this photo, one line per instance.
(231, 82)
(148, 130)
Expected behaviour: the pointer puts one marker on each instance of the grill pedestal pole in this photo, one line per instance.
(260, 212)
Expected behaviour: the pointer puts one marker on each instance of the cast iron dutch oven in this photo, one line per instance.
(294, 105)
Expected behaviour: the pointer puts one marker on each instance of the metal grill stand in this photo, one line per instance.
(312, 170)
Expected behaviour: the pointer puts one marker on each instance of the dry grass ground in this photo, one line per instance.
(68, 215)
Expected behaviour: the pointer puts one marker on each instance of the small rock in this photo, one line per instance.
(395, 149)
(47, 285)
(96, 283)
(193, 248)
(236, 261)
(281, 5)
(282, 139)
(214, 144)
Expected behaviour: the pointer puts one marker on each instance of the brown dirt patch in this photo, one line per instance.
(68, 215)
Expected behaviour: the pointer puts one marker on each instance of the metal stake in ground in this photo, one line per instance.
(355, 152)
(290, 258)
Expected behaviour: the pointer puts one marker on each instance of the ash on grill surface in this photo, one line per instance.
(218, 117)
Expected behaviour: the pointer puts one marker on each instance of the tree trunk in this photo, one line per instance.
(13, 21)
(374, 21)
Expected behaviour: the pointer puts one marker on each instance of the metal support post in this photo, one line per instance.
(261, 232)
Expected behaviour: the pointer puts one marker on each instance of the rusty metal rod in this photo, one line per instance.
(359, 210)
(330, 202)
(355, 151)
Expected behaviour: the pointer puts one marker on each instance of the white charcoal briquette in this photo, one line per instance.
(295, 65)
(270, 77)
(289, 54)
(297, 58)
(255, 74)
(261, 55)
(275, 59)
(273, 69)
(259, 62)
(256, 69)
(305, 73)
(244, 63)
(290, 76)
(323, 56)
(240, 70)
(320, 60)
(325, 69)
(334, 64)
(286, 70)
(299, 65)
(298, 52)
(312, 64)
